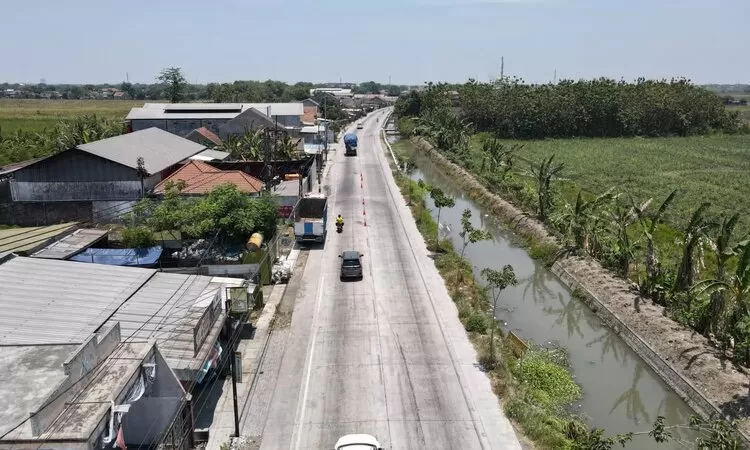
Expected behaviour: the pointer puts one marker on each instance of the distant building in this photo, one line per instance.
(336, 92)
(183, 118)
(97, 181)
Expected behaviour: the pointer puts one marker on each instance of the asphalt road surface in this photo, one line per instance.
(386, 355)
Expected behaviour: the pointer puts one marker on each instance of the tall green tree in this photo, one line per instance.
(175, 83)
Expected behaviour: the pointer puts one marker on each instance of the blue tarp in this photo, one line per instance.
(147, 256)
(350, 139)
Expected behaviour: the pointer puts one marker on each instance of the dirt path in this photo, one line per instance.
(685, 359)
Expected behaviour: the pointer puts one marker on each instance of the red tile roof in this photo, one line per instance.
(210, 135)
(202, 178)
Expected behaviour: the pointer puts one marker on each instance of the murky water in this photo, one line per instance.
(621, 393)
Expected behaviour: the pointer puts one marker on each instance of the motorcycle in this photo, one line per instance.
(339, 227)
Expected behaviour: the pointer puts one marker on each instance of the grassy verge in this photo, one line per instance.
(534, 389)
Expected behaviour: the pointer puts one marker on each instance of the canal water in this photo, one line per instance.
(621, 393)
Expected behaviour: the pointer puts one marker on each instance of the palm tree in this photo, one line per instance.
(735, 305)
(695, 236)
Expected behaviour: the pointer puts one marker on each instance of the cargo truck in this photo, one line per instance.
(350, 144)
(311, 218)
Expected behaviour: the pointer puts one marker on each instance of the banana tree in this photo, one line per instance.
(695, 236)
(724, 250)
(649, 222)
(545, 173)
(581, 222)
(624, 248)
(735, 306)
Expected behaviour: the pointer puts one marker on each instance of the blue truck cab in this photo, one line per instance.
(350, 144)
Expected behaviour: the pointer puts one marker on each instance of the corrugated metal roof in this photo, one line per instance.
(155, 111)
(167, 309)
(46, 301)
(71, 244)
(29, 239)
(159, 149)
(211, 155)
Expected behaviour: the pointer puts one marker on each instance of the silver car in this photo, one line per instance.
(351, 264)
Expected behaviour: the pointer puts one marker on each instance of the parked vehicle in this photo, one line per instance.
(350, 144)
(351, 264)
(311, 218)
(360, 125)
(357, 442)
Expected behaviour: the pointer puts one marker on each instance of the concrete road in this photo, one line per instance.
(386, 355)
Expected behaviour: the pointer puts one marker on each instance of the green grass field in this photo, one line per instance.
(713, 169)
(36, 115)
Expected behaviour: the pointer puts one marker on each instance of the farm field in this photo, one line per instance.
(713, 169)
(36, 115)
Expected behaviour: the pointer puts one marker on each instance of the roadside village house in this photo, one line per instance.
(222, 119)
(96, 181)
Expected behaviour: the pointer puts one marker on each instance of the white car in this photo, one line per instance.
(360, 126)
(357, 442)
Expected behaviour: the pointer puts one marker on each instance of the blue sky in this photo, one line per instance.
(412, 41)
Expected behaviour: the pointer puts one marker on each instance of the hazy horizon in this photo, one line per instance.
(410, 41)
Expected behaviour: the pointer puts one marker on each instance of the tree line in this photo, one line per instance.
(509, 108)
(706, 287)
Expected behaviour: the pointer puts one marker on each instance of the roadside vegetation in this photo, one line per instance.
(535, 385)
(225, 214)
(677, 239)
(24, 145)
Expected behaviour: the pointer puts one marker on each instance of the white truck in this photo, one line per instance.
(311, 218)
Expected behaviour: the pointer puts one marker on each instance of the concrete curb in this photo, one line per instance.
(385, 139)
(682, 386)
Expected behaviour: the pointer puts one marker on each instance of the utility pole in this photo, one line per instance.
(502, 68)
(554, 80)
(234, 368)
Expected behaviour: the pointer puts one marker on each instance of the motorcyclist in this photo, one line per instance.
(339, 221)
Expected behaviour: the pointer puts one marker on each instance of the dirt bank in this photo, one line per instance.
(683, 358)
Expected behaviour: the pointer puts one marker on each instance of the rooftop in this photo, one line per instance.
(72, 244)
(206, 133)
(201, 178)
(53, 302)
(210, 155)
(32, 388)
(159, 149)
(30, 239)
(47, 301)
(210, 110)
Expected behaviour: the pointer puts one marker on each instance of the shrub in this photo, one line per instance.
(477, 323)
(137, 237)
